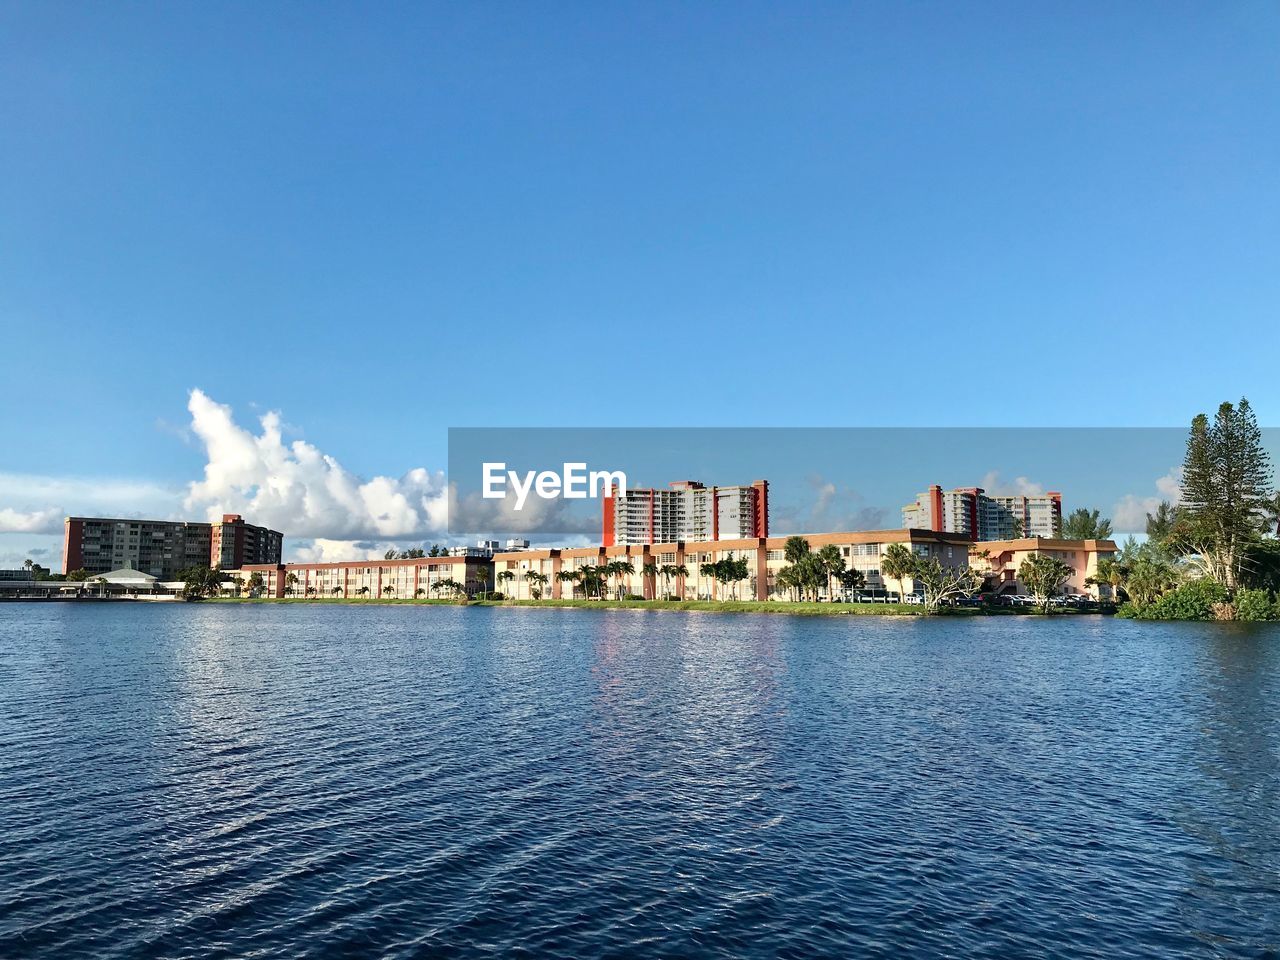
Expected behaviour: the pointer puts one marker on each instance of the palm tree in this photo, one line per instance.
(650, 573)
(336, 590)
(619, 569)
(666, 571)
(832, 563)
(568, 576)
(794, 549)
(389, 588)
(537, 581)
(291, 583)
(28, 564)
(897, 563)
(506, 576)
(362, 591)
(1273, 511)
(680, 571)
(786, 579)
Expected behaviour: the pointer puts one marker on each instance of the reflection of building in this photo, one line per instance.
(163, 548)
(999, 561)
(975, 513)
(688, 510)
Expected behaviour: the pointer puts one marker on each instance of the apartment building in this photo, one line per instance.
(998, 561)
(980, 516)
(686, 510)
(163, 548)
(415, 577)
(765, 556)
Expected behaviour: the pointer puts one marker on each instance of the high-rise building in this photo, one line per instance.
(976, 514)
(688, 510)
(163, 548)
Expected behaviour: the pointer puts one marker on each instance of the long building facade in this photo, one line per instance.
(687, 510)
(978, 515)
(163, 548)
(537, 574)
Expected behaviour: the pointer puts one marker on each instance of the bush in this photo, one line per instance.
(1256, 605)
(633, 596)
(1191, 601)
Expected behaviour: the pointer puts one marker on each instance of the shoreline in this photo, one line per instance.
(681, 606)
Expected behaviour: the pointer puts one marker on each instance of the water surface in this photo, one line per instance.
(325, 781)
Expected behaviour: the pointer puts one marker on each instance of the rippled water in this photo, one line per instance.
(269, 781)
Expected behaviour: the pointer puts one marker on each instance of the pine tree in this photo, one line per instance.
(1226, 483)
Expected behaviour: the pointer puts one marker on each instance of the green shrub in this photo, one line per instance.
(633, 596)
(1191, 601)
(1256, 605)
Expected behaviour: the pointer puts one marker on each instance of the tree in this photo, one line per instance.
(1273, 512)
(199, 582)
(290, 582)
(898, 562)
(256, 583)
(336, 590)
(1161, 524)
(1226, 489)
(852, 579)
(567, 576)
(28, 563)
(389, 588)
(481, 580)
(650, 573)
(1111, 572)
(536, 582)
(794, 549)
(787, 580)
(680, 571)
(619, 569)
(832, 563)
(1084, 524)
(1149, 577)
(78, 576)
(362, 591)
(505, 577)
(942, 583)
(1044, 576)
(737, 569)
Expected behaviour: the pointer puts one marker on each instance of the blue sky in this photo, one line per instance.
(384, 221)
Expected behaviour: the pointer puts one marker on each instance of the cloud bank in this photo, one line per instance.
(302, 492)
(1130, 512)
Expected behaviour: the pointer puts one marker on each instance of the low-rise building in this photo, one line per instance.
(765, 557)
(407, 579)
(998, 561)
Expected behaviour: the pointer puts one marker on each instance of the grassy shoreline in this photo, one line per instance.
(685, 606)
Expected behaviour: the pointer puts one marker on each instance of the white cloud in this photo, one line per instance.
(297, 489)
(833, 507)
(86, 496)
(32, 521)
(1019, 487)
(1129, 515)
